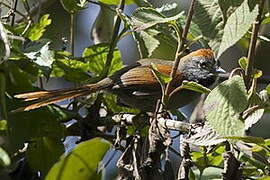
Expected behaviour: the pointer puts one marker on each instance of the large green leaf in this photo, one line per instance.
(149, 37)
(211, 16)
(237, 25)
(224, 105)
(42, 153)
(42, 122)
(95, 56)
(81, 163)
(208, 17)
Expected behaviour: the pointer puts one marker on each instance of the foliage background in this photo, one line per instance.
(29, 129)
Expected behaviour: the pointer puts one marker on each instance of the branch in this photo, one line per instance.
(252, 47)
(114, 39)
(14, 10)
(131, 119)
(181, 44)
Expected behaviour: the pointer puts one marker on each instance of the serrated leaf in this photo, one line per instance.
(115, 2)
(4, 158)
(81, 163)
(248, 139)
(255, 116)
(237, 25)
(224, 105)
(71, 6)
(195, 87)
(38, 29)
(143, 24)
(243, 61)
(168, 9)
(210, 16)
(95, 56)
(144, 18)
(42, 153)
(147, 43)
(40, 53)
(203, 135)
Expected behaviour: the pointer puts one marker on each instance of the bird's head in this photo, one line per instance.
(201, 66)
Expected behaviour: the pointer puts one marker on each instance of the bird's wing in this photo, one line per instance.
(141, 80)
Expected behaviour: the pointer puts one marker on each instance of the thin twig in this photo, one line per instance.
(14, 10)
(114, 39)
(181, 44)
(71, 37)
(252, 46)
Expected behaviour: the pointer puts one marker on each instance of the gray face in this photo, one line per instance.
(201, 70)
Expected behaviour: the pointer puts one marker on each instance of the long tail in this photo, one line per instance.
(49, 97)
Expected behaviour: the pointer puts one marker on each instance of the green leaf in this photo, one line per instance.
(266, 18)
(95, 56)
(224, 105)
(144, 18)
(243, 61)
(4, 158)
(247, 139)
(38, 29)
(209, 173)
(149, 36)
(162, 78)
(208, 17)
(43, 153)
(116, 2)
(195, 87)
(72, 6)
(71, 69)
(211, 16)
(81, 163)
(110, 102)
(40, 53)
(3, 125)
(215, 158)
(237, 25)
(42, 122)
(147, 42)
(268, 89)
(255, 115)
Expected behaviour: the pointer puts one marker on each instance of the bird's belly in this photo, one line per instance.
(147, 103)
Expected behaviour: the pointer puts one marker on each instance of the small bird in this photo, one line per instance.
(136, 86)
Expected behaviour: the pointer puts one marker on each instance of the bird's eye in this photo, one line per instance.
(203, 64)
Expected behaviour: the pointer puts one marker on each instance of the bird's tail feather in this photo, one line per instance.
(49, 97)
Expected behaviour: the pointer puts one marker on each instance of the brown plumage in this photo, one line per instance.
(136, 85)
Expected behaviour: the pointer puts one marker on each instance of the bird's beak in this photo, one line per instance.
(220, 71)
